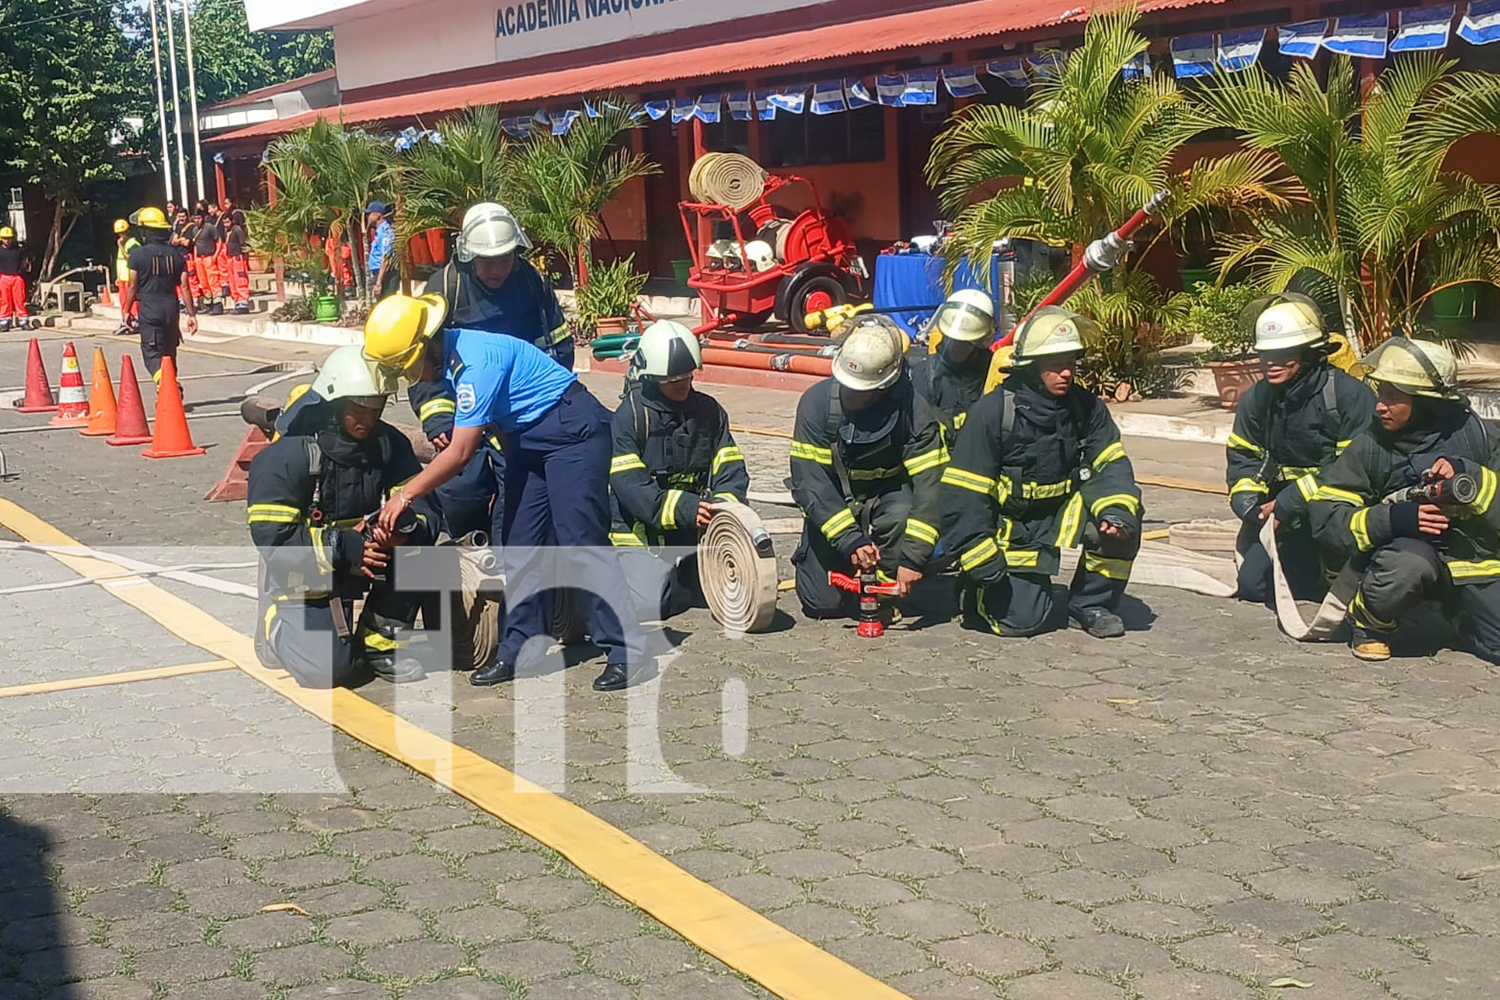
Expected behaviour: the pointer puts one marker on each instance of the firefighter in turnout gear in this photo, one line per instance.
(313, 494)
(1039, 467)
(673, 458)
(1441, 540)
(474, 499)
(1287, 429)
(867, 456)
(951, 379)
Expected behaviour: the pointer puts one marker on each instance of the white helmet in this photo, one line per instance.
(667, 351)
(1286, 321)
(967, 315)
(1051, 330)
(718, 252)
(489, 230)
(871, 354)
(348, 374)
(1418, 367)
(762, 257)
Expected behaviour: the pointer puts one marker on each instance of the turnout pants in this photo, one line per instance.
(302, 637)
(158, 340)
(884, 518)
(1401, 575)
(568, 447)
(662, 585)
(474, 500)
(1299, 560)
(12, 298)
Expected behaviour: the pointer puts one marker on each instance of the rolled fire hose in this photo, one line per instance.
(476, 611)
(737, 569)
(730, 179)
(1331, 612)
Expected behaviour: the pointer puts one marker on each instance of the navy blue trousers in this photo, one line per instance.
(557, 494)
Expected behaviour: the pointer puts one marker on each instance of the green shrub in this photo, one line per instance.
(1213, 313)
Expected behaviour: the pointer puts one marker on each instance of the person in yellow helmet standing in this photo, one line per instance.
(125, 241)
(12, 284)
(158, 271)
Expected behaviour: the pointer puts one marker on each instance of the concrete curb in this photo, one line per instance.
(1161, 425)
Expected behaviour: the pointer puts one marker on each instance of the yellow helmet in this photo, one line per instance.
(152, 218)
(399, 328)
(1050, 330)
(121, 226)
(6, 232)
(1417, 367)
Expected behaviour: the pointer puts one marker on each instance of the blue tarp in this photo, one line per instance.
(917, 280)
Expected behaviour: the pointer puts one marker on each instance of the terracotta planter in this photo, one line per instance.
(417, 248)
(1233, 379)
(437, 246)
(610, 325)
(254, 264)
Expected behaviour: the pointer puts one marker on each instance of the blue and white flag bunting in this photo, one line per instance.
(921, 88)
(682, 109)
(541, 117)
(1303, 39)
(1009, 71)
(741, 108)
(1138, 68)
(563, 122)
(590, 110)
(963, 81)
(1423, 29)
(1239, 49)
(1193, 55)
(516, 128)
(708, 107)
(828, 98)
(794, 101)
(764, 109)
(891, 89)
(858, 94)
(1362, 35)
(1046, 65)
(1481, 23)
(657, 110)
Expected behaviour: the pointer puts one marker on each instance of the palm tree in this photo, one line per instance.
(440, 180)
(1378, 224)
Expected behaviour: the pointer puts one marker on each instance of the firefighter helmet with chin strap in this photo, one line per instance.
(349, 375)
(1283, 322)
(967, 315)
(1417, 367)
(667, 351)
(489, 230)
(871, 354)
(398, 329)
(1050, 330)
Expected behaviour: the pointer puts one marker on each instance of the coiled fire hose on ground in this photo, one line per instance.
(731, 179)
(476, 607)
(737, 569)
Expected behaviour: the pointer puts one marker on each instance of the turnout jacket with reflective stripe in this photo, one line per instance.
(433, 403)
(1350, 519)
(1283, 438)
(687, 455)
(312, 558)
(1011, 503)
(912, 452)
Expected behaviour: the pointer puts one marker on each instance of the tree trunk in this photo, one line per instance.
(54, 241)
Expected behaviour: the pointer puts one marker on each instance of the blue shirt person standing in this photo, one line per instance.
(385, 274)
(556, 432)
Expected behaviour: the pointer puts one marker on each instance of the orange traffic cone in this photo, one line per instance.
(235, 482)
(72, 406)
(104, 299)
(172, 440)
(38, 389)
(131, 427)
(102, 411)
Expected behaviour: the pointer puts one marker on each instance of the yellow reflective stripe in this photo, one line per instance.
(495, 442)
(1462, 569)
(922, 530)
(1241, 444)
(954, 476)
(1339, 448)
(1488, 482)
(1360, 612)
(978, 555)
(1247, 485)
(320, 549)
(1308, 486)
(812, 453)
(379, 643)
(1022, 558)
(624, 538)
(1003, 489)
(403, 482)
(625, 463)
(669, 502)
(1289, 472)
(1336, 495)
(958, 421)
(1113, 569)
(1113, 453)
(1046, 491)
(727, 454)
(268, 620)
(272, 513)
(927, 460)
(1359, 527)
(436, 407)
(728, 498)
(1071, 525)
(1125, 500)
(837, 524)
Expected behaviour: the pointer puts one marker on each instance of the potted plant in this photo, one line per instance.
(326, 304)
(604, 301)
(1214, 313)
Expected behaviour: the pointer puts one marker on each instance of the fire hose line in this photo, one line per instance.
(798, 363)
(731, 179)
(737, 569)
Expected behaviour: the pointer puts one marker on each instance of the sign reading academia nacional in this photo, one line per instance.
(535, 27)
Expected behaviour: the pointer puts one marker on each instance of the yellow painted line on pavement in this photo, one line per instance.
(123, 677)
(736, 935)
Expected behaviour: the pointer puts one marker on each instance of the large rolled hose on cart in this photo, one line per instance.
(731, 179)
(801, 364)
(737, 569)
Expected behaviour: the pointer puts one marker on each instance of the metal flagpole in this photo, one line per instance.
(176, 105)
(187, 34)
(161, 107)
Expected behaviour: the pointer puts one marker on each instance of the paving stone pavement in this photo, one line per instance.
(1201, 809)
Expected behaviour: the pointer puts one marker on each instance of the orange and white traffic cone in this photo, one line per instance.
(103, 414)
(72, 405)
(172, 438)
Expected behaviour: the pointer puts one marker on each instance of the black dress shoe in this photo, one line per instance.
(496, 673)
(615, 678)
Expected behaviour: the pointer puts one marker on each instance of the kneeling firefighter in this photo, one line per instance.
(867, 455)
(1287, 429)
(952, 378)
(1039, 467)
(313, 494)
(673, 457)
(1411, 503)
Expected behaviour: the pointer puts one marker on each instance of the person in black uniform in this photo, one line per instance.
(1287, 429)
(951, 379)
(158, 274)
(312, 496)
(673, 458)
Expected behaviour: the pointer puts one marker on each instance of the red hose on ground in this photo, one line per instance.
(801, 364)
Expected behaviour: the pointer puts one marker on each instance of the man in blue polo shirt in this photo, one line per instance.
(555, 432)
(385, 273)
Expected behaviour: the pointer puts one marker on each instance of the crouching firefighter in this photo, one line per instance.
(951, 379)
(867, 455)
(1287, 429)
(1411, 503)
(313, 494)
(1039, 467)
(673, 458)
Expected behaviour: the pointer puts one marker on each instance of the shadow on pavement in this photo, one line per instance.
(33, 957)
